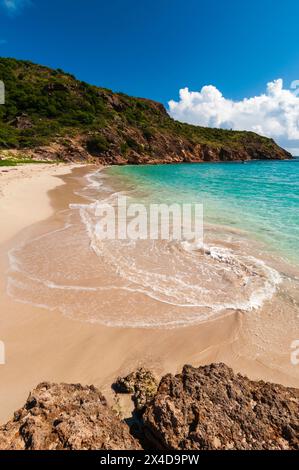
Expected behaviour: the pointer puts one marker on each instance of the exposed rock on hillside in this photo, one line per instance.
(47, 109)
(66, 417)
(212, 408)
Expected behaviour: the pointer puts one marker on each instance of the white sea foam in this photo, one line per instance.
(134, 283)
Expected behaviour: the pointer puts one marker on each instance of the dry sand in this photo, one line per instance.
(43, 345)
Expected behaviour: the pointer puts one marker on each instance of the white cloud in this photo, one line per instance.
(274, 113)
(14, 6)
(11, 5)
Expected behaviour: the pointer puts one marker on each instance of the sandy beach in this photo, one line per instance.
(43, 345)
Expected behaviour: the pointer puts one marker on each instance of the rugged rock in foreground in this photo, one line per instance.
(212, 408)
(67, 417)
(202, 408)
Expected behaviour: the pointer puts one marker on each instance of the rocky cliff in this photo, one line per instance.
(48, 114)
(202, 408)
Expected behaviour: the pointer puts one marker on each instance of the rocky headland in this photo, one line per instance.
(50, 115)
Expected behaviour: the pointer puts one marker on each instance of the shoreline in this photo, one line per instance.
(27, 186)
(45, 345)
(251, 160)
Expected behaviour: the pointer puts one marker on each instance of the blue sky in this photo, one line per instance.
(154, 48)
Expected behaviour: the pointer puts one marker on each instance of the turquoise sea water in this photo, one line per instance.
(248, 262)
(259, 197)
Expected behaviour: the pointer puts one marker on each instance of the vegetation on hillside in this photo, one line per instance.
(43, 105)
(20, 161)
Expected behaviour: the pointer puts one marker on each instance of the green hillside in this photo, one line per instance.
(45, 105)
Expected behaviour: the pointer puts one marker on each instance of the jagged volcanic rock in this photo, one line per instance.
(67, 417)
(202, 408)
(212, 408)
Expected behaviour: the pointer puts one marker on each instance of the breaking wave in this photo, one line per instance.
(126, 283)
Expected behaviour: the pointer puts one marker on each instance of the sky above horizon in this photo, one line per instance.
(222, 64)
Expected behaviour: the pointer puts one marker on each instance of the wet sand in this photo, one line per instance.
(43, 345)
